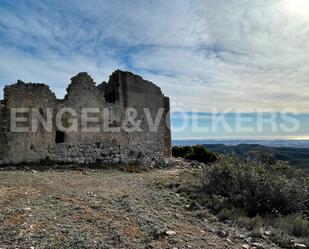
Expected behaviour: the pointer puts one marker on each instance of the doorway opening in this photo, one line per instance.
(59, 137)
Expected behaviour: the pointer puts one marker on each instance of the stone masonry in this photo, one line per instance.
(124, 90)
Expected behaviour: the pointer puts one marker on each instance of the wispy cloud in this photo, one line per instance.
(206, 54)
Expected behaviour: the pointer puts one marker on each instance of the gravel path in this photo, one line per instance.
(99, 209)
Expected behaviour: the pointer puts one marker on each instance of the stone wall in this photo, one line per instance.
(21, 95)
(124, 90)
(3, 130)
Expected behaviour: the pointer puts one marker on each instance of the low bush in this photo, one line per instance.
(255, 187)
(198, 153)
(296, 224)
(254, 195)
(181, 151)
(230, 214)
(201, 154)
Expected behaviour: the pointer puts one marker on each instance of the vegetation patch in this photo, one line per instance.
(254, 195)
(197, 153)
(256, 187)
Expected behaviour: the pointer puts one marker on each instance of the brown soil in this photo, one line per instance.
(100, 209)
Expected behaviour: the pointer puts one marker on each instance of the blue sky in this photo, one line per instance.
(240, 126)
(204, 54)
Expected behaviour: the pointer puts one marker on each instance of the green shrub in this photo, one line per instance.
(296, 224)
(257, 227)
(246, 222)
(255, 187)
(198, 153)
(201, 154)
(216, 202)
(282, 239)
(181, 151)
(300, 227)
(230, 214)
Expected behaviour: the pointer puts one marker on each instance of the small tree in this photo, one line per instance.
(201, 154)
(181, 151)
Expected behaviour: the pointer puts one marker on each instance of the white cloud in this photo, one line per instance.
(206, 54)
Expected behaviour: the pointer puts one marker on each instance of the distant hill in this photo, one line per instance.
(232, 142)
(298, 157)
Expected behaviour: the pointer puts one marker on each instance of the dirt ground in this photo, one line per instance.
(101, 209)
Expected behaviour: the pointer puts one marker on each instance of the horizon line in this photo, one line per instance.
(246, 138)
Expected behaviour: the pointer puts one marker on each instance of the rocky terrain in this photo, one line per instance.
(96, 208)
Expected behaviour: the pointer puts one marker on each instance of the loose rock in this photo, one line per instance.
(300, 246)
(170, 233)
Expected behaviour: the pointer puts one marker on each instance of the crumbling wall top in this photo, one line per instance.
(15, 92)
(79, 83)
(134, 82)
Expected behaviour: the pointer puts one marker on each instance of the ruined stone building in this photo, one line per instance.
(124, 90)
